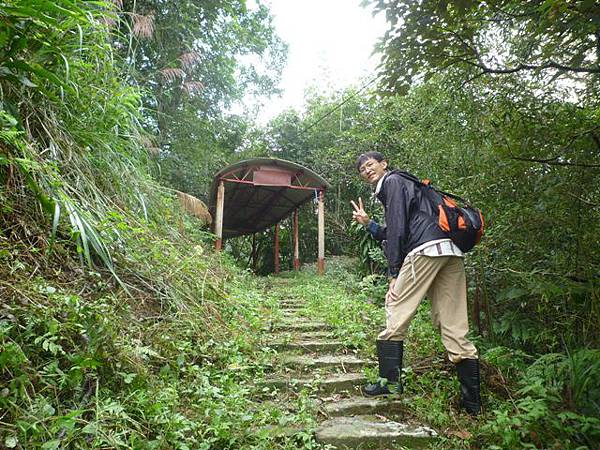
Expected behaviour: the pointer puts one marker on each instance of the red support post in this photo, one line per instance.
(296, 246)
(276, 248)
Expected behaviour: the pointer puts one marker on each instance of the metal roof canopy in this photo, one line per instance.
(260, 192)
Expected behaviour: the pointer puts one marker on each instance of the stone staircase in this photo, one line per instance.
(312, 356)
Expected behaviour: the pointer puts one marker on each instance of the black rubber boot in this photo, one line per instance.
(468, 375)
(389, 354)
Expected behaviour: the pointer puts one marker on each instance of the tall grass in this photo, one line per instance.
(84, 364)
(70, 129)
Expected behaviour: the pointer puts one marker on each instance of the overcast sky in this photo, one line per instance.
(330, 43)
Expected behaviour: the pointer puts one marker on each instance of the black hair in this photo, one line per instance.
(377, 156)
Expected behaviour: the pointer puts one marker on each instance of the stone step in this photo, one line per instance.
(291, 301)
(334, 383)
(288, 315)
(290, 336)
(301, 325)
(363, 406)
(307, 345)
(307, 335)
(291, 306)
(306, 362)
(292, 312)
(372, 432)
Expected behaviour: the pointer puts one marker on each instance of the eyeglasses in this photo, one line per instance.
(368, 165)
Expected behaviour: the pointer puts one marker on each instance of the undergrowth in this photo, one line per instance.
(530, 401)
(177, 365)
(119, 327)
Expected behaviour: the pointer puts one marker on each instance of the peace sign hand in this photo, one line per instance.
(359, 213)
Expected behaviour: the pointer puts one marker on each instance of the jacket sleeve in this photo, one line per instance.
(397, 207)
(377, 231)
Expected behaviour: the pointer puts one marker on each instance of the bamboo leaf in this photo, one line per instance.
(55, 221)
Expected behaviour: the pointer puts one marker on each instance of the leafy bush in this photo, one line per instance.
(557, 405)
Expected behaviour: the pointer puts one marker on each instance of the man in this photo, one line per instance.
(422, 260)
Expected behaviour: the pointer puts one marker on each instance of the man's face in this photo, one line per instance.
(372, 170)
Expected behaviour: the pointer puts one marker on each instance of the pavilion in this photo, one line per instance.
(252, 195)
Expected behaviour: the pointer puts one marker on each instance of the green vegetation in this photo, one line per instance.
(524, 395)
(547, 38)
(120, 328)
(484, 150)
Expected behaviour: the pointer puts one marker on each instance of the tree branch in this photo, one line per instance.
(548, 65)
(596, 139)
(595, 205)
(552, 161)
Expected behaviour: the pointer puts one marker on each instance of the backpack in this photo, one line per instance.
(463, 223)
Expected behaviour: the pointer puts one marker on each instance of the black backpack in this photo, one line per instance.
(463, 223)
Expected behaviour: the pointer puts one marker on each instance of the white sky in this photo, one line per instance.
(330, 45)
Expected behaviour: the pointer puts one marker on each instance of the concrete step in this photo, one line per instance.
(334, 383)
(292, 312)
(301, 325)
(302, 335)
(294, 336)
(363, 406)
(291, 307)
(308, 335)
(291, 315)
(308, 345)
(305, 362)
(372, 432)
(291, 302)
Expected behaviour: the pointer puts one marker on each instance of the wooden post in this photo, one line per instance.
(276, 248)
(219, 214)
(321, 227)
(296, 246)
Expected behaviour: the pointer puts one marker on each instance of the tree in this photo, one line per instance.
(550, 38)
(527, 157)
(194, 59)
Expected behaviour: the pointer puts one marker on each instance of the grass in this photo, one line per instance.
(119, 328)
(182, 362)
(525, 405)
(179, 364)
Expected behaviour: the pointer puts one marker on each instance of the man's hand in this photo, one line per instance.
(391, 295)
(359, 213)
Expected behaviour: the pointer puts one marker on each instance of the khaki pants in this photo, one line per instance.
(443, 280)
